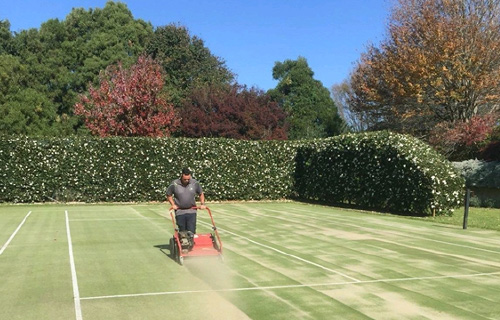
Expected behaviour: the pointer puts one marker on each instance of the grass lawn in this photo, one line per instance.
(282, 260)
(485, 218)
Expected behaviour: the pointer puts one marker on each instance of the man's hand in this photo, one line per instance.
(175, 207)
(203, 207)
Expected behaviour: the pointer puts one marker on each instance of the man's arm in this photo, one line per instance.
(172, 203)
(170, 193)
(202, 201)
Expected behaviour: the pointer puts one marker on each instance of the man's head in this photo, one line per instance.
(185, 176)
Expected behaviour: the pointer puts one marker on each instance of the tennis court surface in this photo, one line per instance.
(282, 260)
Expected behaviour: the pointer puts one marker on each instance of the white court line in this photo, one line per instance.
(293, 286)
(400, 244)
(284, 253)
(14, 234)
(343, 221)
(76, 292)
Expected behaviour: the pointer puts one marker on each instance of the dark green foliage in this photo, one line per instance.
(98, 38)
(187, 63)
(6, 38)
(379, 170)
(23, 109)
(140, 169)
(310, 109)
(57, 62)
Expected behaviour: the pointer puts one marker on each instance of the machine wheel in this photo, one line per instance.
(214, 242)
(172, 248)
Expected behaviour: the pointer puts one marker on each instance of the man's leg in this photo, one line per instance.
(191, 222)
(181, 221)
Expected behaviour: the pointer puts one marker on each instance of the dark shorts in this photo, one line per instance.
(186, 222)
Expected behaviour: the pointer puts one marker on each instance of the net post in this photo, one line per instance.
(466, 207)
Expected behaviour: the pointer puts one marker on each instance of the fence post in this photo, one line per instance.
(466, 209)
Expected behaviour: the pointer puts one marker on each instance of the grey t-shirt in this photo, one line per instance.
(184, 196)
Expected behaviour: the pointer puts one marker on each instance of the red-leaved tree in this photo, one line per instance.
(232, 112)
(461, 140)
(128, 102)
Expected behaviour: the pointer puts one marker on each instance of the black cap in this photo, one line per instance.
(186, 171)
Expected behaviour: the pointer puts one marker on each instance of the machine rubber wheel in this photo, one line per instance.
(175, 252)
(214, 242)
(172, 248)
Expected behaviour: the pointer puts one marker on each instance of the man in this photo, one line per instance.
(181, 195)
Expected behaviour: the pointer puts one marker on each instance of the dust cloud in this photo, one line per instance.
(219, 277)
(211, 270)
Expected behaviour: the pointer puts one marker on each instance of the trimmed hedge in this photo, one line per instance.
(381, 170)
(140, 169)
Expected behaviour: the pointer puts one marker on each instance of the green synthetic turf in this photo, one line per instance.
(282, 260)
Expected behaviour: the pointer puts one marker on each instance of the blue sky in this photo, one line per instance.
(250, 35)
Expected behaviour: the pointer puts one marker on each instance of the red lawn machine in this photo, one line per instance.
(186, 244)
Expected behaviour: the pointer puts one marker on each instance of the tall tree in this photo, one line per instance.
(232, 112)
(440, 62)
(62, 57)
(6, 38)
(461, 140)
(128, 102)
(95, 39)
(187, 63)
(311, 112)
(23, 110)
(340, 95)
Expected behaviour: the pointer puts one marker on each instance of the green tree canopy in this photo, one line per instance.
(6, 37)
(187, 63)
(61, 58)
(23, 109)
(311, 112)
(97, 38)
